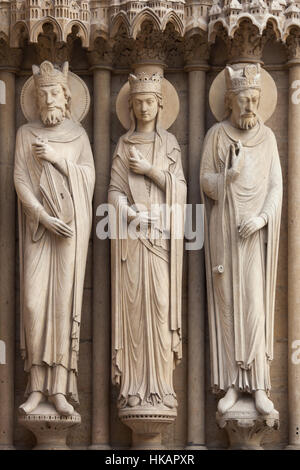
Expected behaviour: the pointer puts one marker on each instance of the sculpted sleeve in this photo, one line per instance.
(30, 204)
(274, 195)
(209, 178)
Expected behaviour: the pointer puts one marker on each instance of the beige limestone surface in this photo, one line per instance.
(147, 267)
(242, 193)
(176, 434)
(54, 179)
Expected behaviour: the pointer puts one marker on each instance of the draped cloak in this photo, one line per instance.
(147, 274)
(52, 268)
(241, 299)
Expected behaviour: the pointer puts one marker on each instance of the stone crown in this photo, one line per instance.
(145, 83)
(47, 74)
(244, 77)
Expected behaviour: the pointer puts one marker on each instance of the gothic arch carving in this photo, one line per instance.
(145, 15)
(118, 21)
(82, 32)
(18, 32)
(175, 20)
(38, 29)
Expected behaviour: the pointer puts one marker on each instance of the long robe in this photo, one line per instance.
(147, 275)
(52, 268)
(241, 299)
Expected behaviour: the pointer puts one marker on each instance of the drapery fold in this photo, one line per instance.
(52, 268)
(146, 273)
(241, 299)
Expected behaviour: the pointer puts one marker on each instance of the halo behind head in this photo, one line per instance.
(80, 102)
(268, 97)
(169, 112)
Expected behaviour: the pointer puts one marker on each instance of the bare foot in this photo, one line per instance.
(62, 406)
(263, 404)
(228, 401)
(31, 403)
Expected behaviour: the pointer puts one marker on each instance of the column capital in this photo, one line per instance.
(101, 56)
(149, 46)
(196, 52)
(10, 58)
(293, 47)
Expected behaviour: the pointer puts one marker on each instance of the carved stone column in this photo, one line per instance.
(196, 53)
(294, 240)
(9, 60)
(99, 60)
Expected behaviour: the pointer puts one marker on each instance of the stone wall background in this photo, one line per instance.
(176, 435)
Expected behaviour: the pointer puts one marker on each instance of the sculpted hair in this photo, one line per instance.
(68, 97)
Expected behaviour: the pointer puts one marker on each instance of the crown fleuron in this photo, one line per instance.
(47, 74)
(246, 76)
(145, 83)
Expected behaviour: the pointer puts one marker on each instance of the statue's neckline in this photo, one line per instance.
(66, 131)
(144, 134)
(248, 138)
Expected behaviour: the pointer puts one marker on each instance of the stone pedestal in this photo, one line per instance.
(147, 425)
(49, 428)
(245, 427)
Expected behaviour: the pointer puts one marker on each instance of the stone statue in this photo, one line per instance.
(147, 269)
(54, 179)
(241, 187)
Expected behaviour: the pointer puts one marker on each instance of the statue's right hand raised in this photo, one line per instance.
(56, 226)
(237, 156)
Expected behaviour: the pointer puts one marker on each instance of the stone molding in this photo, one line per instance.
(133, 32)
(98, 18)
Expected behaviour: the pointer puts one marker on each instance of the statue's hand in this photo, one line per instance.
(144, 218)
(237, 156)
(137, 163)
(44, 151)
(251, 226)
(55, 225)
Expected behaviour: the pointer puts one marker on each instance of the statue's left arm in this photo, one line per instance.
(83, 167)
(274, 194)
(174, 154)
(158, 176)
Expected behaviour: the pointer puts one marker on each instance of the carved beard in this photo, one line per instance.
(53, 117)
(246, 123)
